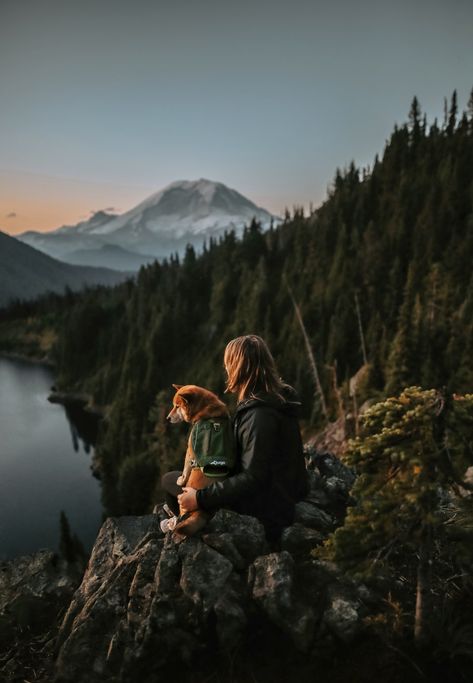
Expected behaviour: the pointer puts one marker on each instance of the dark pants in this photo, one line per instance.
(171, 489)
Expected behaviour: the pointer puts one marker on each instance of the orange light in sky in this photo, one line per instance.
(31, 201)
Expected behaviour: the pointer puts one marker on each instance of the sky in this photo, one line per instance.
(107, 101)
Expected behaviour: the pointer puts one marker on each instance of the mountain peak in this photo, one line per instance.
(187, 207)
(183, 212)
(204, 186)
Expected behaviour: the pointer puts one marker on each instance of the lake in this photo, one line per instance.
(45, 455)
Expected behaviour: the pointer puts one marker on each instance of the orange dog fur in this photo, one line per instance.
(191, 404)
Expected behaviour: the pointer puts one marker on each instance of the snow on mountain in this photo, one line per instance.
(183, 212)
(188, 207)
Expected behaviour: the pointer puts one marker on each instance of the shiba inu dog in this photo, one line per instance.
(210, 453)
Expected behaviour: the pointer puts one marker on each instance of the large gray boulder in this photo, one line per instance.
(274, 590)
(149, 604)
(147, 600)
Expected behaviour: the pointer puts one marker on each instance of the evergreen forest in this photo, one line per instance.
(380, 276)
(367, 306)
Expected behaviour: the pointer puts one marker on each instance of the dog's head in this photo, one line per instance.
(191, 403)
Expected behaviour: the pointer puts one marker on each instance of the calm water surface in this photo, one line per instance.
(45, 454)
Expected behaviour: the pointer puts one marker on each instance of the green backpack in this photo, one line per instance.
(213, 445)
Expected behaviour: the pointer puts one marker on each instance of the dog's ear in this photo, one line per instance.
(177, 386)
(187, 396)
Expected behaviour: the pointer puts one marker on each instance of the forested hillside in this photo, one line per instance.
(387, 259)
(27, 273)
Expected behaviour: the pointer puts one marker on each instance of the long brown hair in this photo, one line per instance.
(251, 368)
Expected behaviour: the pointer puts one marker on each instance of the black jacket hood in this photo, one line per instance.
(288, 404)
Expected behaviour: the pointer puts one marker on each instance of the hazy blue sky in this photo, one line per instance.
(106, 101)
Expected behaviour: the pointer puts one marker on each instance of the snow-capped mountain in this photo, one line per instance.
(188, 208)
(183, 212)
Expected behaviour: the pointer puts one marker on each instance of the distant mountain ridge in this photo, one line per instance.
(91, 224)
(25, 273)
(184, 212)
(116, 257)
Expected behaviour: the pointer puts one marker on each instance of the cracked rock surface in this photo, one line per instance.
(148, 603)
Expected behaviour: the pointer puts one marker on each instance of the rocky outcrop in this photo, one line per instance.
(35, 591)
(334, 437)
(32, 588)
(330, 485)
(149, 602)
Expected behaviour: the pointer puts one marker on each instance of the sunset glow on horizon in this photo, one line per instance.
(42, 203)
(31, 201)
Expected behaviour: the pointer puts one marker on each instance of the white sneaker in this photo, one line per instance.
(160, 509)
(168, 510)
(168, 524)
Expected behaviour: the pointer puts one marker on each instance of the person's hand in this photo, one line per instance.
(188, 499)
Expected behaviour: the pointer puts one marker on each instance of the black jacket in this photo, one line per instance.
(271, 475)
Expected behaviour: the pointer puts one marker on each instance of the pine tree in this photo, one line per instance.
(410, 460)
(404, 357)
(415, 117)
(452, 114)
(70, 545)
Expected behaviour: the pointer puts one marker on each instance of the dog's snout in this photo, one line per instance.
(175, 415)
(172, 415)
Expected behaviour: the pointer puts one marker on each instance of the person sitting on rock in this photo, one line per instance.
(270, 476)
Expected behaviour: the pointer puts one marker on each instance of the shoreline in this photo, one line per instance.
(14, 355)
(78, 398)
(86, 401)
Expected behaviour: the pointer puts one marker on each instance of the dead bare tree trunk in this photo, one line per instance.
(310, 353)
(423, 587)
(360, 328)
(356, 415)
(336, 390)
